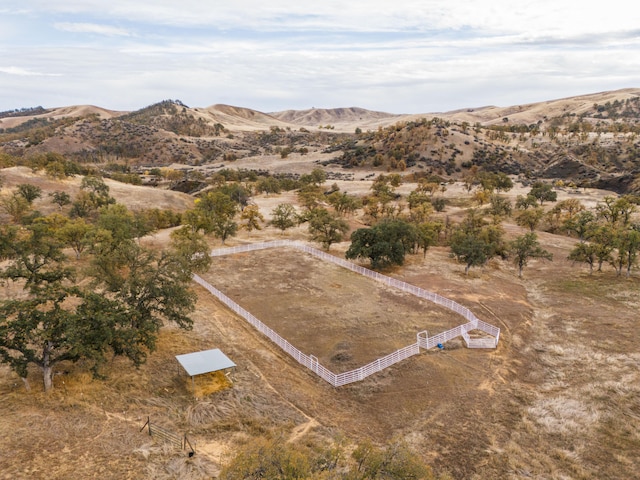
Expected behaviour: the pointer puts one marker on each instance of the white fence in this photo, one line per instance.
(311, 362)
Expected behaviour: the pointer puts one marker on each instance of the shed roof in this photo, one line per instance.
(206, 361)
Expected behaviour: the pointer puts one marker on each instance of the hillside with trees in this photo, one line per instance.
(586, 145)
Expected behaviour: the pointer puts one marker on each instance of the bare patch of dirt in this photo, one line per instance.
(343, 318)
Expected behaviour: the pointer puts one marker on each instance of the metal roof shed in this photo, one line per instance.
(206, 361)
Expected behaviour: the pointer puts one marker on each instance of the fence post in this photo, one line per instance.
(147, 424)
(424, 334)
(186, 442)
(314, 363)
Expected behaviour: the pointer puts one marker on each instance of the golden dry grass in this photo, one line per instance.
(208, 384)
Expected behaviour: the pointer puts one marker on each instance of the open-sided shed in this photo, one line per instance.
(206, 361)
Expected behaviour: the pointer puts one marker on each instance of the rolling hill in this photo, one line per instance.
(589, 140)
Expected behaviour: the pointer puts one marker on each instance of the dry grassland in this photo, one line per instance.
(558, 399)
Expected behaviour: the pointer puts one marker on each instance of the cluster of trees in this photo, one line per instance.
(394, 232)
(174, 116)
(616, 117)
(216, 210)
(35, 130)
(275, 458)
(108, 298)
(401, 145)
(474, 241)
(54, 164)
(488, 182)
(21, 112)
(607, 235)
(325, 226)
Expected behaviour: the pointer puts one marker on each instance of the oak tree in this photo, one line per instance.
(584, 252)
(252, 218)
(543, 192)
(284, 216)
(133, 292)
(386, 243)
(526, 247)
(215, 212)
(60, 198)
(474, 243)
(326, 227)
(29, 192)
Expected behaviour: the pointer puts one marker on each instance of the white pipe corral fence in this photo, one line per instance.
(311, 362)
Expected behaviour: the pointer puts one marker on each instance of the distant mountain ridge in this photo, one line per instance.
(346, 119)
(583, 140)
(321, 116)
(243, 118)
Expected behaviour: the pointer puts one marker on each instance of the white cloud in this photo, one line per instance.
(401, 56)
(550, 16)
(91, 28)
(23, 72)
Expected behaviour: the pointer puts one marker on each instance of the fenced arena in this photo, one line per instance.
(423, 340)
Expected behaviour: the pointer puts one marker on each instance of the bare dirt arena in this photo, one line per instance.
(341, 317)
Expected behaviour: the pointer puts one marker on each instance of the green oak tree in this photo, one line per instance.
(60, 198)
(386, 243)
(343, 203)
(473, 243)
(603, 239)
(77, 234)
(284, 217)
(268, 185)
(326, 227)
(499, 207)
(29, 192)
(427, 234)
(616, 211)
(543, 192)
(524, 202)
(58, 317)
(580, 224)
(584, 252)
(15, 206)
(37, 327)
(627, 245)
(214, 213)
(310, 196)
(192, 247)
(524, 248)
(148, 289)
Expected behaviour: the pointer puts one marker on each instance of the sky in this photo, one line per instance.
(402, 56)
